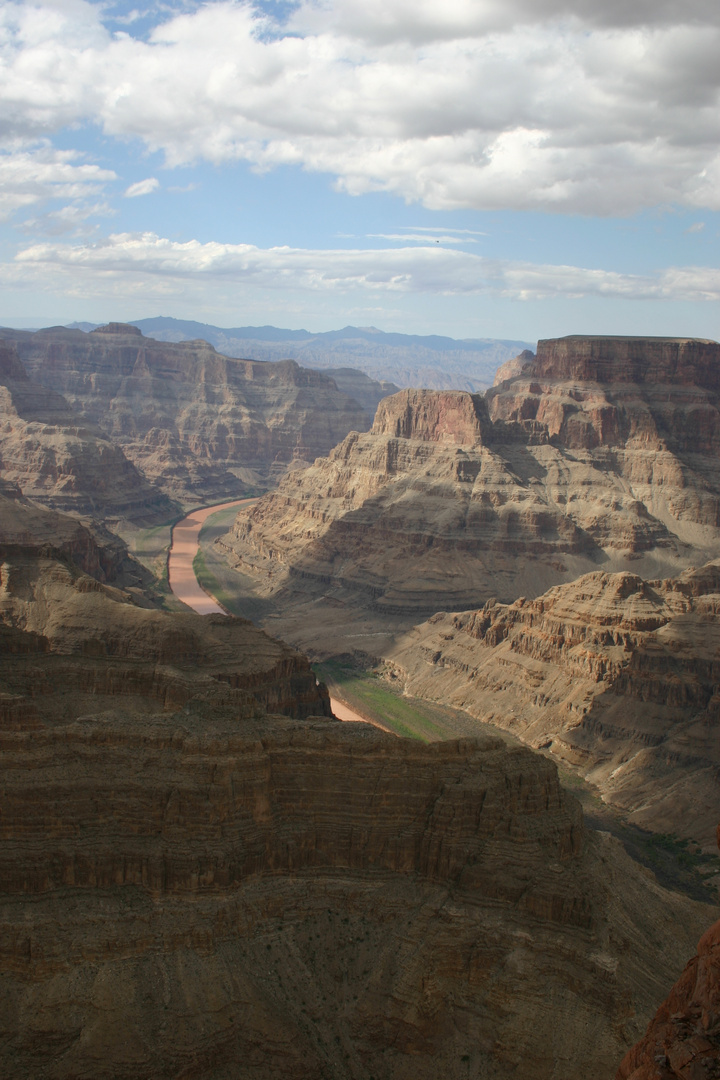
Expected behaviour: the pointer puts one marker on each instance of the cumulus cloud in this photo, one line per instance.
(142, 187)
(564, 105)
(147, 258)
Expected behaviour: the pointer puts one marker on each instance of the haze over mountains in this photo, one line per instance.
(405, 359)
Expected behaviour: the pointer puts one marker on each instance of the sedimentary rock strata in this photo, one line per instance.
(682, 1041)
(599, 452)
(200, 425)
(62, 460)
(98, 641)
(212, 893)
(616, 675)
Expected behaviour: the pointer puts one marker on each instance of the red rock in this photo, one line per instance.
(682, 1041)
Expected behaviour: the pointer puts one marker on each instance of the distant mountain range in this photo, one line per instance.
(441, 363)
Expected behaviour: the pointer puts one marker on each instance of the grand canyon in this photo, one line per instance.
(204, 871)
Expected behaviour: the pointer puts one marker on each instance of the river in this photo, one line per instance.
(184, 545)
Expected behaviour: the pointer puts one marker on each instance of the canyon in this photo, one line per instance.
(205, 873)
(197, 425)
(554, 523)
(451, 498)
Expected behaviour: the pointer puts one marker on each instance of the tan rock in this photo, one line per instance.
(452, 497)
(616, 675)
(200, 425)
(62, 460)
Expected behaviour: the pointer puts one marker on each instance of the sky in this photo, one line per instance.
(476, 168)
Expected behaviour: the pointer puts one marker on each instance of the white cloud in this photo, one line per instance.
(422, 238)
(32, 175)
(73, 218)
(148, 261)
(564, 105)
(142, 187)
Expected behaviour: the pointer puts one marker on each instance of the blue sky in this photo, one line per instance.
(480, 169)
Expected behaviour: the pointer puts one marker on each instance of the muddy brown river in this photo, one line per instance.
(184, 544)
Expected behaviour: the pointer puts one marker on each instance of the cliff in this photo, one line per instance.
(640, 360)
(429, 416)
(683, 1038)
(189, 886)
(198, 424)
(27, 528)
(452, 498)
(615, 675)
(192, 884)
(64, 461)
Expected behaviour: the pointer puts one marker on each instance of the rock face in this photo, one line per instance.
(62, 460)
(192, 884)
(599, 452)
(26, 528)
(100, 643)
(616, 675)
(192, 887)
(200, 425)
(683, 1039)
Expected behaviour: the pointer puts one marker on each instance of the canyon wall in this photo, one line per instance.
(616, 675)
(63, 460)
(597, 453)
(199, 425)
(190, 886)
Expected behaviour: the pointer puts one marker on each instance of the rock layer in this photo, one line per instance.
(452, 498)
(208, 895)
(62, 460)
(191, 885)
(616, 675)
(200, 425)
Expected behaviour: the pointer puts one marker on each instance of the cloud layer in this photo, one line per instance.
(153, 263)
(547, 105)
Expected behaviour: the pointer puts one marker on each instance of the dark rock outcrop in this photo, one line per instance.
(682, 1041)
